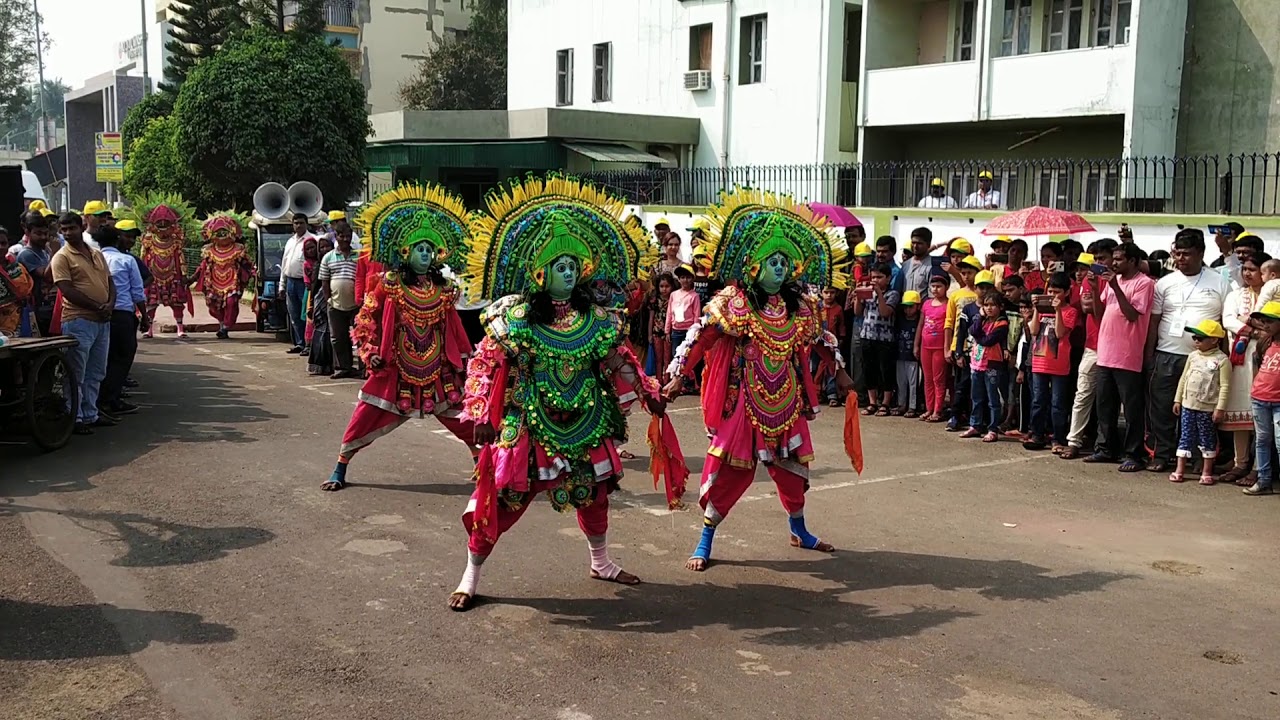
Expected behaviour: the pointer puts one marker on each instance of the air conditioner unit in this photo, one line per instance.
(697, 80)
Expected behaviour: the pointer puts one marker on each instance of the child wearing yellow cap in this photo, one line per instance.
(1201, 399)
(908, 323)
(1265, 394)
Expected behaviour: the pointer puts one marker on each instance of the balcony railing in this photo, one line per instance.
(340, 13)
(1211, 184)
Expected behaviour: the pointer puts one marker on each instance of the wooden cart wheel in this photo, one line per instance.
(51, 400)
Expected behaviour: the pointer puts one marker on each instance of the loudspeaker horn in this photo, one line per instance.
(305, 198)
(271, 201)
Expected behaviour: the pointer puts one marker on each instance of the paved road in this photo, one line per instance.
(186, 565)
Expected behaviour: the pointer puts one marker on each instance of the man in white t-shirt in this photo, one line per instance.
(937, 199)
(985, 198)
(1184, 297)
(293, 288)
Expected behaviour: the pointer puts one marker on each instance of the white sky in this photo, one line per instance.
(84, 34)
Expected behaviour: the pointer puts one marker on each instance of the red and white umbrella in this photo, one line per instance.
(1038, 220)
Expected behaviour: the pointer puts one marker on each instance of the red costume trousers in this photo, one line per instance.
(592, 519)
(732, 482)
(368, 423)
(224, 311)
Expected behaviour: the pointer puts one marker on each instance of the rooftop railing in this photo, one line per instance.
(1208, 184)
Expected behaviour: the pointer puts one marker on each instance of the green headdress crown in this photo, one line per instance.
(401, 218)
(748, 226)
(529, 224)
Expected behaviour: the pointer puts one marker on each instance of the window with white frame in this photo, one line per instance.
(602, 72)
(1111, 22)
(1064, 20)
(1101, 190)
(564, 77)
(752, 41)
(1055, 188)
(967, 13)
(1016, 36)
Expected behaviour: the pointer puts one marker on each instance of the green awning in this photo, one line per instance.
(610, 152)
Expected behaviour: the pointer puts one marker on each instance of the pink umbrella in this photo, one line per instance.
(836, 215)
(1038, 220)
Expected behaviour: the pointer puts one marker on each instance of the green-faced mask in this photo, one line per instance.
(421, 257)
(562, 276)
(774, 272)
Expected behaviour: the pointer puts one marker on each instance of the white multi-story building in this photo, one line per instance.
(766, 78)
(878, 81)
(1017, 79)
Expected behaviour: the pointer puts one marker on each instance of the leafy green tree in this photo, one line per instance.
(153, 163)
(200, 27)
(467, 71)
(20, 130)
(271, 107)
(17, 57)
(309, 20)
(155, 105)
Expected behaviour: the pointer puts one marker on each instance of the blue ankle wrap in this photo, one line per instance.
(807, 539)
(704, 545)
(339, 473)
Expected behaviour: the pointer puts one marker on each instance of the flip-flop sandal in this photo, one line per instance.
(882, 412)
(1130, 466)
(1208, 480)
(1176, 477)
(1070, 453)
(1232, 475)
(1160, 467)
(911, 415)
(1247, 481)
(869, 410)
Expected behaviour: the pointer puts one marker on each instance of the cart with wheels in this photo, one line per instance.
(38, 393)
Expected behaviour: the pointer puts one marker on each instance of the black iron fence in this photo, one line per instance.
(1210, 184)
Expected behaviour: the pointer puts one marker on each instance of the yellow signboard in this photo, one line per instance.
(109, 157)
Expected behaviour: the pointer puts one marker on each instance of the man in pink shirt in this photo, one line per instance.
(1124, 315)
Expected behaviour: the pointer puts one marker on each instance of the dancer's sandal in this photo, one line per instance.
(815, 544)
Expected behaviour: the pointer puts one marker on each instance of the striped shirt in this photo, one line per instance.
(340, 271)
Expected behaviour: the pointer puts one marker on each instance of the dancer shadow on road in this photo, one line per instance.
(157, 543)
(38, 631)
(776, 614)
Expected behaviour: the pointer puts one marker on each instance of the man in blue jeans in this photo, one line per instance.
(82, 276)
(293, 287)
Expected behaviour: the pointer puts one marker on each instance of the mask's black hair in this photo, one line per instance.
(542, 311)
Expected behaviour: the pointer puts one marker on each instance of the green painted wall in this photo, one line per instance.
(1231, 78)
